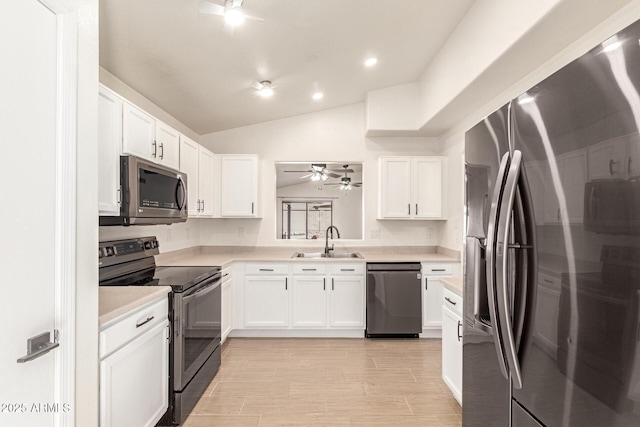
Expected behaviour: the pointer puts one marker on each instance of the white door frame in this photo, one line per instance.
(65, 222)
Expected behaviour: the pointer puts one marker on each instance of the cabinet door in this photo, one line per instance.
(427, 187)
(309, 301)
(227, 308)
(607, 160)
(134, 381)
(266, 301)
(347, 301)
(238, 186)
(109, 148)
(206, 168)
(189, 165)
(574, 177)
(452, 352)
(432, 303)
(168, 145)
(138, 133)
(395, 187)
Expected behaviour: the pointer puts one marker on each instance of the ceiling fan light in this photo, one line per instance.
(265, 90)
(324, 176)
(315, 176)
(233, 16)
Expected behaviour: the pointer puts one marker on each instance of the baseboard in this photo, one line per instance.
(297, 333)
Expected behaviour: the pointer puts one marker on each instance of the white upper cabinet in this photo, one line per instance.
(109, 148)
(206, 177)
(198, 163)
(238, 185)
(411, 187)
(138, 133)
(148, 138)
(168, 146)
(189, 165)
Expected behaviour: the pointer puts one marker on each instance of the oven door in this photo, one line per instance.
(152, 194)
(197, 329)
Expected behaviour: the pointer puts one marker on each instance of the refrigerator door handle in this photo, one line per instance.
(503, 236)
(491, 264)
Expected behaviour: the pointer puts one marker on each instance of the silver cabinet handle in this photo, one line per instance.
(611, 163)
(416, 209)
(308, 269)
(252, 205)
(459, 334)
(409, 208)
(347, 269)
(202, 205)
(155, 149)
(266, 269)
(198, 205)
(161, 150)
(450, 301)
(286, 283)
(39, 345)
(438, 269)
(144, 322)
(324, 283)
(333, 282)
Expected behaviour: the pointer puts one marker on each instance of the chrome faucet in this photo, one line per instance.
(328, 249)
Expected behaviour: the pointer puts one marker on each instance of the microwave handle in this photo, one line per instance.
(184, 193)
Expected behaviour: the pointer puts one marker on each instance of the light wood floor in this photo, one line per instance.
(328, 382)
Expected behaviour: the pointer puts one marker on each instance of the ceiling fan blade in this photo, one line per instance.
(253, 18)
(237, 3)
(333, 175)
(341, 170)
(306, 176)
(211, 8)
(298, 171)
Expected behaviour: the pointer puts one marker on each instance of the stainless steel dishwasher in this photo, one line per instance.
(394, 300)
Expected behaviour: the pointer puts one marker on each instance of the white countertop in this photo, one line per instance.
(116, 301)
(454, 284)
(212, 256)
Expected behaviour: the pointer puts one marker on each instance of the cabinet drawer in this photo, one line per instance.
(308, 268)
(437, 269)
(133, 325)
(548, 281)
(452, 300)
(266, 269)
(347, 268)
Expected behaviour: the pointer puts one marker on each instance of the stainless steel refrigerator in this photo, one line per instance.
(552, 249)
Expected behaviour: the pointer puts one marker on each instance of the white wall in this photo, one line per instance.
(335, 135)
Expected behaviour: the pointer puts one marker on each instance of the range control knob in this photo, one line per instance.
(148, 245)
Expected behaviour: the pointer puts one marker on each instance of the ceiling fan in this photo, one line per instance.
(232, 11)
(345, 182)
(318, 172)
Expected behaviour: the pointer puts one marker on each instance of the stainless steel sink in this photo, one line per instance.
(323, 255)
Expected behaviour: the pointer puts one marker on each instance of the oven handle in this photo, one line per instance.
(202, 291)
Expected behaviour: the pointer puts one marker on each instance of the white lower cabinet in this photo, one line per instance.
(432, 290)
(300, 295)
(452, 343)
(227, 303)
(266, 301)
(134, 367)
(309, 301)
(347, 301)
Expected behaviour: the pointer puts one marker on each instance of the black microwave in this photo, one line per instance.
(612, 207)
(151, 194)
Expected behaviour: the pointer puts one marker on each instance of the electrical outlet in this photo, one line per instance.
(169, 235)
(188, 234)
(375, 233)
(429, 233)
(240, 231)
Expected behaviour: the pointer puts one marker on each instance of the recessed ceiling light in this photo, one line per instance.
(318, 95)
(370, 62)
